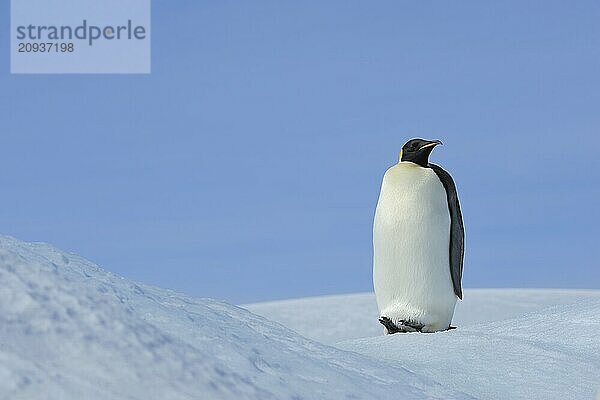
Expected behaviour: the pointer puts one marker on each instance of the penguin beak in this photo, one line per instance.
(433, 143)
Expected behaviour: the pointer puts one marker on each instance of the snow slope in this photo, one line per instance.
(510, 343)
(69, 330)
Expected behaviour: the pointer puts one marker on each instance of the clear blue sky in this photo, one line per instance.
(247, 166)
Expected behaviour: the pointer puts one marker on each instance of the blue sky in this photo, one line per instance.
(247, 166)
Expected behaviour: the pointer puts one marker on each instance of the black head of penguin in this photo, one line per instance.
(418, 150)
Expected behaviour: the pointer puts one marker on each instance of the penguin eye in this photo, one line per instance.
(414, 146)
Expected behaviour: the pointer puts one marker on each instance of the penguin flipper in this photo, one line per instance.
(457, 229)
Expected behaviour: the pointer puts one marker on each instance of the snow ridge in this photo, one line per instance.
(70, 330)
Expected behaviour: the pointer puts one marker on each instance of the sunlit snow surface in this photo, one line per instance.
(69, 330)
(510, 343)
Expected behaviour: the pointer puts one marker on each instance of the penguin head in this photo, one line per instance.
(418, 150)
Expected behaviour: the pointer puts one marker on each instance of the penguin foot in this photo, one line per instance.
(401, 327)
(389, 325)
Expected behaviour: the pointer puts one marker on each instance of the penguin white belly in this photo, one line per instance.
(411, 238)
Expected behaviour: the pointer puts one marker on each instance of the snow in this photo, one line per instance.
(510, 343)
(70, 330)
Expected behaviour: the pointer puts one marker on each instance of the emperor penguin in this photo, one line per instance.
(418, 244)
